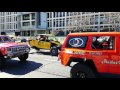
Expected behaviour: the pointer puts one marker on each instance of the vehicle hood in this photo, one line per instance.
(10, 44)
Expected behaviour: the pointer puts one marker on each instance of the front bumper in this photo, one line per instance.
(16, 54)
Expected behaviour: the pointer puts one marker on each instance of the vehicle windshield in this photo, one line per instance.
(5, 39)
(52, 38)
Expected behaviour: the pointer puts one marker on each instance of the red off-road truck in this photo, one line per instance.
(92, 52)
(11, 49)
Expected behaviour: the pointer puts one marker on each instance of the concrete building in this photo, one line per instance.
(23, 23)
(76, 21)
(32, 23)
(8, 22)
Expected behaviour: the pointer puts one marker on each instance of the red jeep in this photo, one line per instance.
(93, 53)
(11, 49)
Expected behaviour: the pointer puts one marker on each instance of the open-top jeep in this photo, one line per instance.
(93, 53)
(47, 42)
(10, 49)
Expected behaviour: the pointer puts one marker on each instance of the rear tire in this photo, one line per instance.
(54, 51)
(82, 71)
(2, 61)
(23, 57)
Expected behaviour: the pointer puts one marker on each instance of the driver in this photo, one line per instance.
(42, 38)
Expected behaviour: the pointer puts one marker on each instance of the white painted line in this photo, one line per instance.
(51, 60)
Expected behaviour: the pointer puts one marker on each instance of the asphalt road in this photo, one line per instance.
(38, 65)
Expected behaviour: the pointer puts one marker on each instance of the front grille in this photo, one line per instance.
(18, 49)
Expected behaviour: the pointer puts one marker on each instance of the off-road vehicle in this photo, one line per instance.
(47, 42)
(93, 53)
(11, 49)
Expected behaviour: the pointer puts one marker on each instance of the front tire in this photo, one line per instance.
(54, 51)
(2, 61)
(23, 57)
(82, 71)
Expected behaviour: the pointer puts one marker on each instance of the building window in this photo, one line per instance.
(63, 23)
(48, 24)
(60, 23)
(96, 22)
(10, 26)
(54, 23)
(57, 24)
(26, 17)
(71, 13)
(26, 23)
(63, 14)
(67, 13)
(39, 18)
(33, 16)
(10, 19)
(16, 26)
(2, 26)
(16, 18)
(54, 15)
(48, 15)
(60, 14)
(33, 23)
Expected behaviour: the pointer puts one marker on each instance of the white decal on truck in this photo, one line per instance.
(105, 61)
(76, 42)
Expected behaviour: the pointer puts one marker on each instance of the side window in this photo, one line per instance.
(103, 42)
(76, 42)
(6, 39)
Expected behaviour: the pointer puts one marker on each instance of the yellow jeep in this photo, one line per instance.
(45, 41)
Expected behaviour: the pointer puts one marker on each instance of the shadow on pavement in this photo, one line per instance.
(43, 53)
(16, 67)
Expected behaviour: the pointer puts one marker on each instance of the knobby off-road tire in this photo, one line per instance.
(82, 71)
(54, 51)
(23, 57)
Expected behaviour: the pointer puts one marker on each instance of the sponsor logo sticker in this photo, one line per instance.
(105, 61)
(76, 42)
